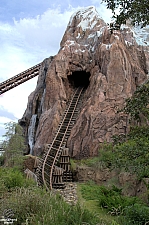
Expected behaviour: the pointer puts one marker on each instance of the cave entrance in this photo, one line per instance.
(79, 79)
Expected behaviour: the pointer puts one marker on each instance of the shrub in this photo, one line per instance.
(137, 215)
(132, 155)
(137, 105)
(12, 178)
(113, 201)
(109, 199)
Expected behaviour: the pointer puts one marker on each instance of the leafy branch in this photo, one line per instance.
(135, 10)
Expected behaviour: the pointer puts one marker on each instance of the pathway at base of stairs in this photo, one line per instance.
(69, 193)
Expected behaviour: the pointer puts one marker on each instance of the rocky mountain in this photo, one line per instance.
(109, 63)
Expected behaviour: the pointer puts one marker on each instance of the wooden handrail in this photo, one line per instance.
(19, 78)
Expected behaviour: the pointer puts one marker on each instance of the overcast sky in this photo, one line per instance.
(30, 31)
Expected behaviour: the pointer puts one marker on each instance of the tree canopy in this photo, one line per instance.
(135, 10)
(13, 144)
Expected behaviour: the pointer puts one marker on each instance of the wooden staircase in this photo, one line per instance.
(54, 168)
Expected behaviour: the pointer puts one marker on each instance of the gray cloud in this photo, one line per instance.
(5, 113)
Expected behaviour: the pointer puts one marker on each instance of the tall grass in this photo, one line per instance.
(40, 207)
(126, 210)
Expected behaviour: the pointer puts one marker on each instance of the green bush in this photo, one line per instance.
(137, 105)
(137, 132)
(137, 215)
(131, 155)
(12, 178)
(109, 199)
(107, 155)
(113, 201)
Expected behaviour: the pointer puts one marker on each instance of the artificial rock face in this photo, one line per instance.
(109, 63)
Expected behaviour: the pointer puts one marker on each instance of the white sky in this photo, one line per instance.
(31, 31)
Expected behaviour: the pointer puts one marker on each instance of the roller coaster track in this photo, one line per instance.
(51, 157)
(20, 78)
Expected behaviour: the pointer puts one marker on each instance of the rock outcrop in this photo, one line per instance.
(126, 181)
(110, 64)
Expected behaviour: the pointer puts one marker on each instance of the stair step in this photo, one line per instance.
(58, 185)
(61, 136)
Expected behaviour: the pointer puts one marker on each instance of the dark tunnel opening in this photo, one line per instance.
(79, 79)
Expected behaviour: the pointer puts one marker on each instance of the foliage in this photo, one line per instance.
(88, 161)
(136, 215)
(90, 191)
(73, 164)
(137, 105)
(106, 155)
(114, 202)
(119, 138)
(131, 151)
(2, 159)
(12, 178)
(139, 132)
(135, 10)
(13, 144)
(131, 154)
(110, 199)
(36, 206)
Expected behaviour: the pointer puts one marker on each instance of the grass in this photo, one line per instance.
(40, 207)
(37, 206)
(89, 200)
(92, 162)
(111, 206)
(98, 205)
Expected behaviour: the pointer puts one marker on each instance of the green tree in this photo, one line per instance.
(138, 105)
(135, 10)
(13, 144)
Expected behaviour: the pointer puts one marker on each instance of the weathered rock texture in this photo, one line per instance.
(116, 65)
(129, 184)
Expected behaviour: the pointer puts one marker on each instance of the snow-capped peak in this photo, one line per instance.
(141, 35)
(88, 17)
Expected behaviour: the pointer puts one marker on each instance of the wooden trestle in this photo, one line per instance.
(20, 78)
(54, 168)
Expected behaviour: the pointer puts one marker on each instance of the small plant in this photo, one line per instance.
(73, 164)
(109, 199)
(12, 178)
(137, 215)
(114, 223)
